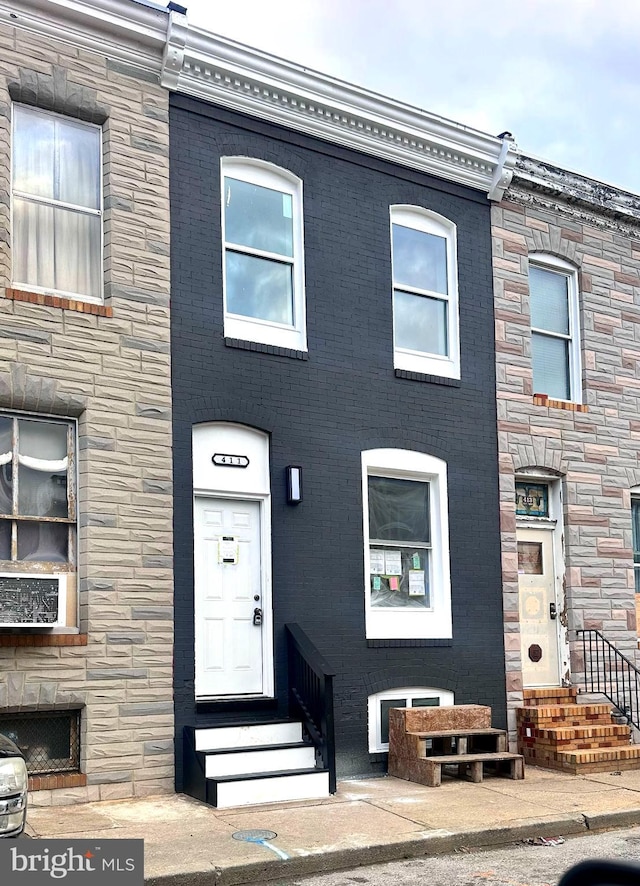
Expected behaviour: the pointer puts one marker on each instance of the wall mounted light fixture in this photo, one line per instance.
(294, 484)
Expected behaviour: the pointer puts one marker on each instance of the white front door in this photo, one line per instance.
(539, 622)
(228, 591)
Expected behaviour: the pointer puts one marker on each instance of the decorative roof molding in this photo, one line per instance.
(192, 62)
(127, 30)
(173, 57)
(549, 181)
(252, 82)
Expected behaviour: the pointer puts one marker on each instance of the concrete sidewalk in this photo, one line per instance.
(190, 844)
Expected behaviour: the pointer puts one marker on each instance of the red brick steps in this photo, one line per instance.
(574, 738)
(556, 733)
(553, 696)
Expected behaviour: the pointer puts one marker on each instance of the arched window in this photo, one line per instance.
(425, 292)
(263, 266)
(399, 697)
(408, 586)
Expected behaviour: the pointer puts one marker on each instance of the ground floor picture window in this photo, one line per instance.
(37, 521)
(399, 542)
(407, 572)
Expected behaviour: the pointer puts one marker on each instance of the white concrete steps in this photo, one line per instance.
(248, 735)
(260, 759)
(276, 788)
(251, 764)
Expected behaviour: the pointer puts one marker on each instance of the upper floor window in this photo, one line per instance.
(263, 264)
(408, 588)
(425, 292)
(57, 204)
(555, 337)
(635, 526)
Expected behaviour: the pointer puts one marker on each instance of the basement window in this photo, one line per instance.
(49, 740)
(402, 697)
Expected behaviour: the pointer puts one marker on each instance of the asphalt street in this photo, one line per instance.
(514, 865)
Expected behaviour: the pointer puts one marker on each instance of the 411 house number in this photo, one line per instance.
(230, 461)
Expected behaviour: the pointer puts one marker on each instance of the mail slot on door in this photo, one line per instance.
(257, 616)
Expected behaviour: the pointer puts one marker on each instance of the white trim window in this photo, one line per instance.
(400, 697)
(555, 328)
(406, 536)
(263, 254)
(56, 204)
(635, 534)
(425, 292)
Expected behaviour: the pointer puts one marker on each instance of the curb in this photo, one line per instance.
(625, 818)
(425, 844)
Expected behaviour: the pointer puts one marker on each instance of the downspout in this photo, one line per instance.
(503, 173)
(173, 55)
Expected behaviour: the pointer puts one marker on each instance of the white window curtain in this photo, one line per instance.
(56, 203)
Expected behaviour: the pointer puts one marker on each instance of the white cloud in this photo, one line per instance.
(562, 75)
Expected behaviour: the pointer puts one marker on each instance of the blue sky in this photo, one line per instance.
(562, 75)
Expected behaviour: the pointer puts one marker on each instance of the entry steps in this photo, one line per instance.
(421, 741)
(554, 732)
(249, 764)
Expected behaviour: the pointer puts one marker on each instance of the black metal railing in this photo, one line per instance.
(311, 696)
(609, 672)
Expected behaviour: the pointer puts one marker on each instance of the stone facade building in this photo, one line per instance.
(86, 615)
(311, 224)
(567, 286)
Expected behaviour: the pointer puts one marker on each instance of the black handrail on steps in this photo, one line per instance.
(311, 696)
(609, 672)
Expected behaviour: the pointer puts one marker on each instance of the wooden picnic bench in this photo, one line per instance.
(424, 740)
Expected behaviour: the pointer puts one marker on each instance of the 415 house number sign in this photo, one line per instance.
(224, 460)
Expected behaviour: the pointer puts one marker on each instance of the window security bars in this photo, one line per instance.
(49, 740)
(609, 672)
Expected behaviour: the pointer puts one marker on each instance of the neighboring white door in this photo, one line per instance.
(228, 590)
(539, 622)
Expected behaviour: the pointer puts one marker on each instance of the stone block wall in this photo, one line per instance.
(594, 447)
(108, 367)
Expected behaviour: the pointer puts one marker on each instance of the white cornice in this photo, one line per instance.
(545, 178)
(195, 63)
(256, 83)
(133, 33)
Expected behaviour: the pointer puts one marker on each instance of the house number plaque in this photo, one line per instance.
(224, 460)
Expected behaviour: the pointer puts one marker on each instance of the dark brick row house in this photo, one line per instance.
(335, 451)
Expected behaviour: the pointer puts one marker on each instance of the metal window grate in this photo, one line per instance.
(49, 740)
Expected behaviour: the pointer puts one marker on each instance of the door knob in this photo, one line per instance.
(257, 616)
(553, 612)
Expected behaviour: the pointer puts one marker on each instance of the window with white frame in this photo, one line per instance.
(263, 263)
(37, 520)
(635, 528)
(56, 204)
(380, 704)
(407, 574)
(555, 335)
(425, 292)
